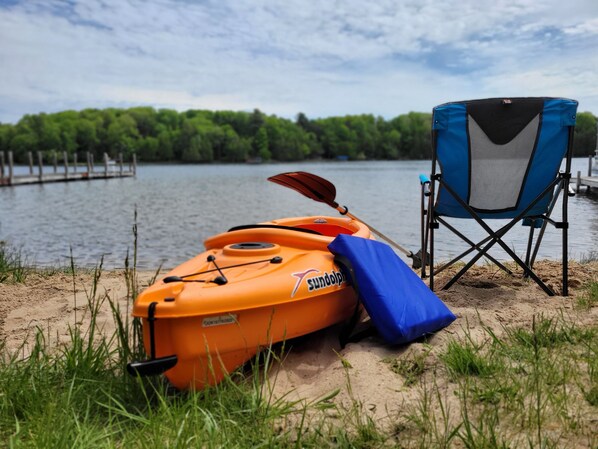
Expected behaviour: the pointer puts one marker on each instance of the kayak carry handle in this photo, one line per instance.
(153, 366)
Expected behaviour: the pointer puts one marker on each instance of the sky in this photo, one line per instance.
(323, 58)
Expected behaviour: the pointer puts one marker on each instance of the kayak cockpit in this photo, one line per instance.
(310, 233)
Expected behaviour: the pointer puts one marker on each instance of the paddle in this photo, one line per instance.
(323, 191)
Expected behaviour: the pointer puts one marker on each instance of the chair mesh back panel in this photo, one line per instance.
(500, 155)
(490, 162)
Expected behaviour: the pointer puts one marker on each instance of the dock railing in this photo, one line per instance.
(69, 172)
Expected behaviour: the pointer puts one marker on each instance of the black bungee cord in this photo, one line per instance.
(220, 280)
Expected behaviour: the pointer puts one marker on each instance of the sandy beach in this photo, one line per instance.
(485, 298)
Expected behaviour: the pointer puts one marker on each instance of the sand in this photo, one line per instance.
(485, 297)
(316, 365)
(56, 302)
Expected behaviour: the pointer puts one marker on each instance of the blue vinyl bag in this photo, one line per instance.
(400, 305)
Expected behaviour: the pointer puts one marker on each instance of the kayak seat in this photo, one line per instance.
(328, 230)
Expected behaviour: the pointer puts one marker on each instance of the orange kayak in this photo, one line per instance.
(253, 286)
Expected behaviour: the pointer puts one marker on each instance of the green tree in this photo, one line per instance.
(122, 135)
(21, 144)
(199, 150)
(203, 136)
(147, 149)
(233, 148)
(337, 138)
(86, 135)
(256, 121)
(415, 129)
(146, 120)
(6, 135)
(168, 118)
(391, 144)
(166, 140)
(584, 140)
(260, 145)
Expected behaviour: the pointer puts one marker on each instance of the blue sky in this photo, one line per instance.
(324, 58)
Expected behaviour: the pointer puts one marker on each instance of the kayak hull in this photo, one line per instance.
(278, 284)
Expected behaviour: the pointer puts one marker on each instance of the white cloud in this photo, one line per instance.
(383, 57)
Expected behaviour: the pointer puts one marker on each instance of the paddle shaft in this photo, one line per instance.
(344, 211)
(323, 191)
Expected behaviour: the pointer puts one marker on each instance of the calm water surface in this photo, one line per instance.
(178, 206)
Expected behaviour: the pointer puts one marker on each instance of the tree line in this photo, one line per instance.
(197, 136)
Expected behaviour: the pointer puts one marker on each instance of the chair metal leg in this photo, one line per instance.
(473, 246)
(497, 239)
(431, 231)
(468, 266)
(565, 259)
(527, 270)
(423, 229)
(545, 223)
(496, 236)
(529, 246)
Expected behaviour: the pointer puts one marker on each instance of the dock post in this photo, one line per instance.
(134, 164)
(65, 159)
(106, 164)
(120, 162)
(40, 164)
(75, 162)
(1, 164)
(30, 159)
(91, 162)
(10, 167)
(578, 182)
(88, 162)
(590, 164)
(55, 160)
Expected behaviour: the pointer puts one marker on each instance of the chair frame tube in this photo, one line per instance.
(430, 221)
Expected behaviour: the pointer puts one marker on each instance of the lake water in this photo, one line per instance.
(178, 206)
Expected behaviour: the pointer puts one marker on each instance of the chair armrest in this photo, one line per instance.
(425, 183)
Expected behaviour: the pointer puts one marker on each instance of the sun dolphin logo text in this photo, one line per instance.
(326, 280)
(318, 282)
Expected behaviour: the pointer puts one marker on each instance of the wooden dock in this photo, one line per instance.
(66, 172)
(589, 182)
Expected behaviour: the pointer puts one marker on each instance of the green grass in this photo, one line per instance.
(468, 358)
(533, 386)
(411, 365)
(539, 375)
(13, 267)
(589, 297)
(505, 392)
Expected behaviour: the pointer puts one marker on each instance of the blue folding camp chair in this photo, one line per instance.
(498, 158)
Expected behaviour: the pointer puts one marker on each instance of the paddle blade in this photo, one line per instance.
(309, 185)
